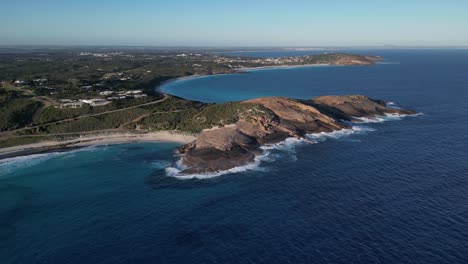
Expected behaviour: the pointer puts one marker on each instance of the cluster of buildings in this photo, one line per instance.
(261, 61)
(198, 58)
(105, 54)
(189, 55)
(38, 84)
(68, 103)
(120, 95)
(123, 94)
(121, 76)
(35, 82)
(107, 77)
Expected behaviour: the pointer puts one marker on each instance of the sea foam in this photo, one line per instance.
(270, 153)
(337, 134)
(273, 152)
(10, 165)
(384, 118)
(179, 167)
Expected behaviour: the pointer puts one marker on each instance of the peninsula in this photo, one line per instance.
(271, 120)
(111, 95)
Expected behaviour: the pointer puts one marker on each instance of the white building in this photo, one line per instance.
(106, 92)
(116, 98)
(72, 105)
(134, 92)
(95, 102)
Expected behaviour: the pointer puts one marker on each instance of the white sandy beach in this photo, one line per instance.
(103, 139)
(247, 69)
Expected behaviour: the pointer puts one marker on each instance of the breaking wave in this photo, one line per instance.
(11, 165)
(393, 105)
(179, 167)
(271, 153)
(337, 134)
(384, 118)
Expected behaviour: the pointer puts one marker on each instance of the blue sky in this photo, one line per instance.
(234, 23)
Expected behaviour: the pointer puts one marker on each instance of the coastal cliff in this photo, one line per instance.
(272, 120)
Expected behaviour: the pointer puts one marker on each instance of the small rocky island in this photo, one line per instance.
(271, 120)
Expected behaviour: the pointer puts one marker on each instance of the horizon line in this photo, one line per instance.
(235, 46)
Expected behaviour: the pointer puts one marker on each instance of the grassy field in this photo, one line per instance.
(16, 109)
(171, 114)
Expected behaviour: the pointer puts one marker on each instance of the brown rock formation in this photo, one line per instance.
(237, 144)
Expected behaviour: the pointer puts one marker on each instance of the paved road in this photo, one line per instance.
(6, 133)
(120, 129)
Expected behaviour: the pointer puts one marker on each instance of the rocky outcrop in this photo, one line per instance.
(347, 107)
(237, 144)
(346, 59)
(341, 59)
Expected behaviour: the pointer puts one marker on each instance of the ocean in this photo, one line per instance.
(393, 191)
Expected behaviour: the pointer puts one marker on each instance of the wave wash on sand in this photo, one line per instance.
(93, 140)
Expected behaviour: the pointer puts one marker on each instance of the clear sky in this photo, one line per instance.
(234, 22)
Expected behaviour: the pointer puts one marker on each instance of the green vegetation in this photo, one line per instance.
(123, 120)
(51, 114)
(108, 121)
(16, 110)
(207, 117)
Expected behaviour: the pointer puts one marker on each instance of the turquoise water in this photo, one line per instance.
(393, 192)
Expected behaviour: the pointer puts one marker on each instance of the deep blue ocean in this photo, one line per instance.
(392, 192)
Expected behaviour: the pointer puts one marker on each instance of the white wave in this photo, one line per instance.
(270, 154)
(374, 119)
(11, 165)
(177, 170)
(160, 164)
(287, 145)
(392, 105)
(285, 149)
(337, 134)
(388, 62)
(384, 118)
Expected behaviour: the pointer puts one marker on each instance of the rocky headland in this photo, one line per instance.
(271, 120)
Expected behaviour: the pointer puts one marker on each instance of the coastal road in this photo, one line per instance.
(120, 129)
(6, 133)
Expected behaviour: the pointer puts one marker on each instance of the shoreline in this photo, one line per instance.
(272, 67)
(95, 140)
(158, 87)
(182, 78)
